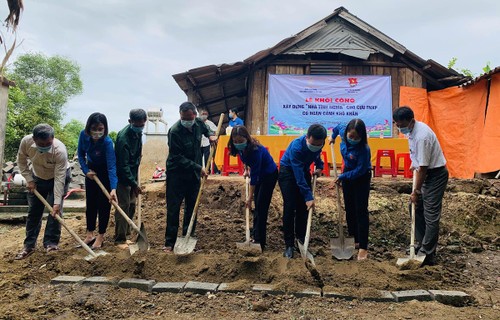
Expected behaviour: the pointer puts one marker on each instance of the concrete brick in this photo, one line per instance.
(200, 287)
(337, 295)
(385, 296)
(100, 280)
(310, 292)
(266, 288)
(420, 295)
(67, 279)
(454, 298)
(141, 284)
(174, 287)
(226, 287)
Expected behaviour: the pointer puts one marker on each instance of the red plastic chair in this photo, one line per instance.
(227, 168)
(379, 171)
(406, 164)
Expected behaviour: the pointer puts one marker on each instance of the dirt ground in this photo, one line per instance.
(468, 260)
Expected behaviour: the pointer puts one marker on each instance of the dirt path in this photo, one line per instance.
(468, 261)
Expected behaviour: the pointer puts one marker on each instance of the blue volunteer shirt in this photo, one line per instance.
(100, 154)
(260, 162)
(298, 157)
(235, 122)
(357, 158)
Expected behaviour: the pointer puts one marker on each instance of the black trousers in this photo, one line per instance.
(97, 203)
(356, 193)
(206, 153)
(52, 233)
(180, 188)
(263, 194)
(428, 209)
(294, 206)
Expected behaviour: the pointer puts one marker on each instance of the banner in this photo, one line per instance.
(297, 101)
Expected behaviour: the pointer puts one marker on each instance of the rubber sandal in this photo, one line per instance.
(98, 247)
(90, 243)
(24, 254)
(52, 247)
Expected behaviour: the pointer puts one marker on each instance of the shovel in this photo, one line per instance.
(134, 247)
(185, 245)
(413, 259)
(142, 239)
(342, 247)
(92, 254)
(247, 246)
(303, 248)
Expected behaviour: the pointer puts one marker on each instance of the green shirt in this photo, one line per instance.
(128, 149)
(184, 149)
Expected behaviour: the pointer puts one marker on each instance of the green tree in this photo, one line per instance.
(112, 135)
(43, 85)
(69, 134)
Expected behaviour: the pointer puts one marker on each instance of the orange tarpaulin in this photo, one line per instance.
(489, 147)
(456, 115)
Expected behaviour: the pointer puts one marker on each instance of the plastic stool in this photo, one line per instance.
(379, 171)
(406, 164)
(227, 168)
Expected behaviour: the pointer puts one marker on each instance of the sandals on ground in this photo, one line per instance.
(24, 254)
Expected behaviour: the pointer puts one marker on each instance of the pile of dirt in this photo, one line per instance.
(468, 235)
(154, 153)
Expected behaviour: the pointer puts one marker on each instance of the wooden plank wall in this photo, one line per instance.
(257, 108)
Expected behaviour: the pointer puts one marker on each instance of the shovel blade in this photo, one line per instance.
(342, 251)
(142, 239)
(184, 245)
(306, 255)
(410, 262)
(249, 248)
(97, 254)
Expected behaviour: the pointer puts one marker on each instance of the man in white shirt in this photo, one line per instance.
(50, 176)
(431, 180)
(205, 142)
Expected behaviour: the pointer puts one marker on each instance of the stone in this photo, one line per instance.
(173, 287)
(226, 287)
(407, 295)
(307, 293)
(200, 287)
(266, 288)
(100, 280)
(67, 279)
(454, 298)
(141, 284)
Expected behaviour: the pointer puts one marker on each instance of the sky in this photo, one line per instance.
(128, 50)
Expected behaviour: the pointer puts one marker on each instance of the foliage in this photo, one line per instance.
(113, 135)
(43, 85)
(467, 72)
(69, 135)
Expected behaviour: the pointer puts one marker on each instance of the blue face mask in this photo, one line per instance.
(43, 149)
(404, 130)
(136, 129)
(187, 123)
(314, 148)
(240, 146)
(353, 142)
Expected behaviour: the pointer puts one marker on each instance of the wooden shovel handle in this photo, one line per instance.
(337, 194)
(61, 221)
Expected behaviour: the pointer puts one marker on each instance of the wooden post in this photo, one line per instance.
(4, 100)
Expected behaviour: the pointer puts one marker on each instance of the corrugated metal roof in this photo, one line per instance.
(481, 77)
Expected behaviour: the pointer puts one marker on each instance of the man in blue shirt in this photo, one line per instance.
(295, 183)
(233, 118)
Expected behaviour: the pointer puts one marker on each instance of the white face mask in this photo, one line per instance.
(96, 134)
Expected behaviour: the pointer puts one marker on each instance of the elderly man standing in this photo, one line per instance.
(50, 176)
(184, 169)
(431, 180)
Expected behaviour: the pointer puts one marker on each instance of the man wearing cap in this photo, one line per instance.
(50, 176)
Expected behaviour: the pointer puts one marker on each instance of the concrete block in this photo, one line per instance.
(141, 284)
(100, 280)
(337, 295)
(384, 296)
(200, 287)
(407, 295)
(174, 287)
(454, 298)
(226, 287)
(266, 288)
(67, 279)
(310, 292)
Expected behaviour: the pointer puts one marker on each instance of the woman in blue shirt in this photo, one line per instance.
(97, 157)
(355, 180)
(260, 166)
